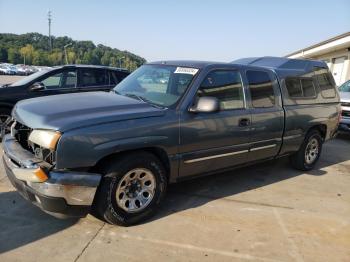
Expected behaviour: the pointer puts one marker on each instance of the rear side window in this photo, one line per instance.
(261, 89)
(294, 87)
(226, 86)
(113, 79)
(325, 82)
(93, 78)
(308, 87)
(300, 87)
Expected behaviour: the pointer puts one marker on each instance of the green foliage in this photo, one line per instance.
(34, 49)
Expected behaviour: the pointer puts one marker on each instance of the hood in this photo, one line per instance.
(344, 97)
(65, 112)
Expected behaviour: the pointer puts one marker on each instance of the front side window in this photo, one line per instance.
(261, 89)
(161, 85)
(65, 79)
(226, 86)
(93, 78)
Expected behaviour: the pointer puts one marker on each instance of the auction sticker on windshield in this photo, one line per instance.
(186, 70)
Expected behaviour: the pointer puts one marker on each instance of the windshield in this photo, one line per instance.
(345, 87)
(161, 85)
(30, 78)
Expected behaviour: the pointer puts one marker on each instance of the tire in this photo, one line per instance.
(303, 159)
(118, 186)
(5, 115)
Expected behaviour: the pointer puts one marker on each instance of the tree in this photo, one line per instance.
(27, 53)
(34, 48)
(13, 56)
(40, 58)
(71, 57)
(106, 58)
(55, 58)
(3, 54)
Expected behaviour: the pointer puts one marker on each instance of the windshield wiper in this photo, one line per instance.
(141, 98)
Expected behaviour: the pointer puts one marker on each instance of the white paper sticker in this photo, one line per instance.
(186, 70)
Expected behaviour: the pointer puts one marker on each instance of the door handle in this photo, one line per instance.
(244, 122)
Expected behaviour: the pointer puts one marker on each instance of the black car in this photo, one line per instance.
(58, 80)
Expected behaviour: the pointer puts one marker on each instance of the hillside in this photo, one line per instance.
(34, 49)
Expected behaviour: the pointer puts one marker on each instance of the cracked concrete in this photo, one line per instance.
(266, 212)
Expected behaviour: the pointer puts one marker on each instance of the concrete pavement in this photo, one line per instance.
(266, 212)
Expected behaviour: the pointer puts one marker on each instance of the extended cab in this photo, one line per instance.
(168, 121)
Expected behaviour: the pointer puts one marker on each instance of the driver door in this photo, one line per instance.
(219, 140)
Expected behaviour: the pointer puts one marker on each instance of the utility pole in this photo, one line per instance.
(49, 17)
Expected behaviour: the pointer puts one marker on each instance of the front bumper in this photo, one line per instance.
(64, 194)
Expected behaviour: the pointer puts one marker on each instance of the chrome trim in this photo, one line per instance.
(80, 191)
(24, 174)
(292, 136)
(262, 147)
(215, 156)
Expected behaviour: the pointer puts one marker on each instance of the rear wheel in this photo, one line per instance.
(309, 153)
(131, 190)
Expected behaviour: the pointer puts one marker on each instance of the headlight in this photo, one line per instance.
(45, 138)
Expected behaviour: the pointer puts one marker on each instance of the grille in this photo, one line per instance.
(345, 104)
(21, 133)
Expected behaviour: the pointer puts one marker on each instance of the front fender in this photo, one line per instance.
(86, 146)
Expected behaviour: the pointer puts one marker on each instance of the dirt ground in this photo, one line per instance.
(266, 212)
(6, 79)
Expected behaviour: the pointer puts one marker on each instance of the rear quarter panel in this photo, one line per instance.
(303, 114)
(301, 118)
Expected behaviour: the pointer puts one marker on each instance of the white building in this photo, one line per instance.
(335, 52)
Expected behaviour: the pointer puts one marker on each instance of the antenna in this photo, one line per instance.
(49, 17)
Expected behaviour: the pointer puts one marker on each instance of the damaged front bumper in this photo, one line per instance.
(63, 194)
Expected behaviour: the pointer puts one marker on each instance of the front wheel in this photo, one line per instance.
(131, 190)
(309, 153)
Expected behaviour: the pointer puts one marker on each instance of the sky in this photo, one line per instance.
(216, 30)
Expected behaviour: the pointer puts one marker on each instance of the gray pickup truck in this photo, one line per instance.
(114, 153)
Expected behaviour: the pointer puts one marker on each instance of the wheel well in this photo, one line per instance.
(320, 128)
(156, 151)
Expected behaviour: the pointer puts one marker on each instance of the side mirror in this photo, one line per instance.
(206, 104)
(38, 86)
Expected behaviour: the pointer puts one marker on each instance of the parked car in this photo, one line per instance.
(4, 70)
(57, 80)
(116, 152)
(344, 90)
(24, 70)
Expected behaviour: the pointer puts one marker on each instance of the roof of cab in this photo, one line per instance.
(188, 63)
